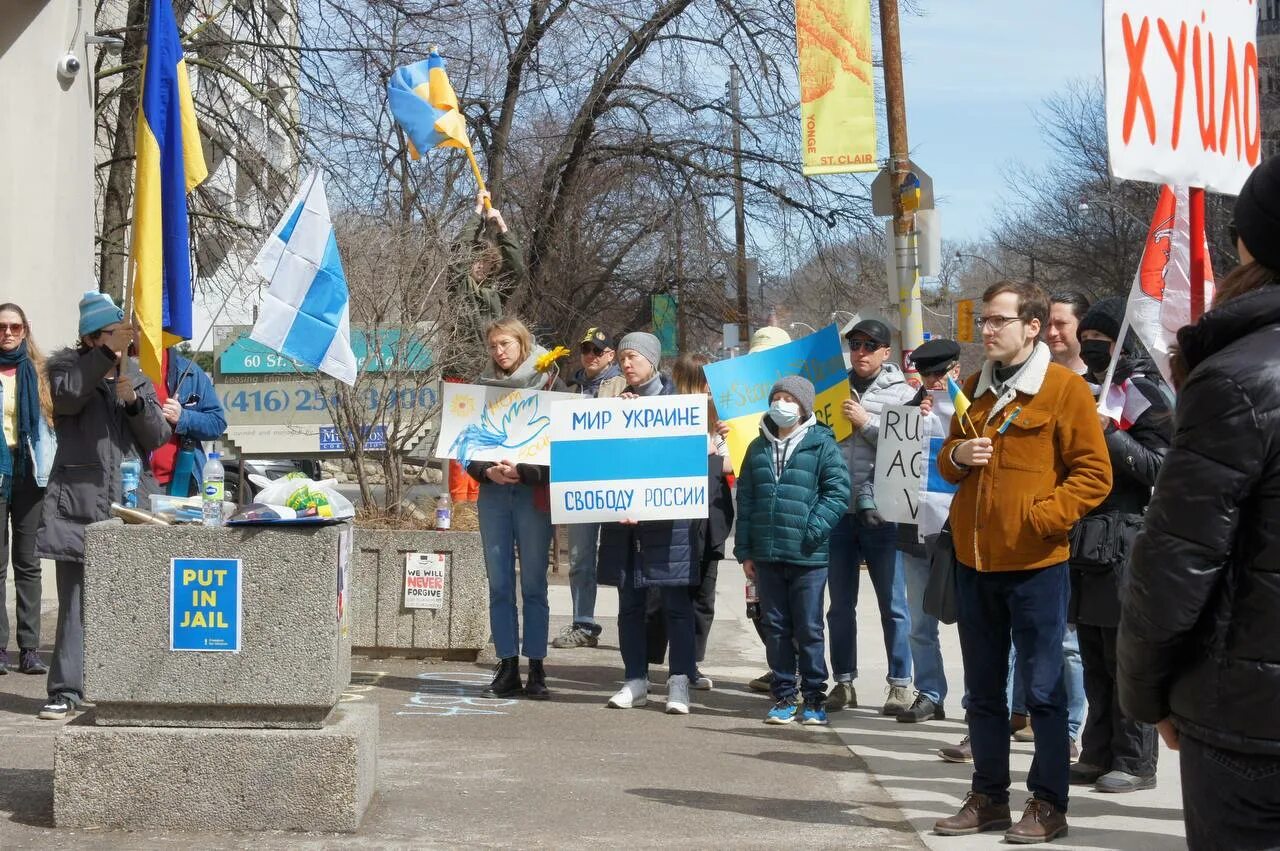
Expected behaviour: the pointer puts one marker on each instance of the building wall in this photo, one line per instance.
(1269, 74)
(46, 167)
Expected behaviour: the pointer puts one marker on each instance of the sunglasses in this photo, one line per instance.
(864, 345)
(12, 327)
(590, 349)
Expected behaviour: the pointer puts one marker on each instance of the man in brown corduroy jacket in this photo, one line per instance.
(1030, 461)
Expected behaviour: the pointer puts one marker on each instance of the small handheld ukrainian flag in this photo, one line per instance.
(426, 107)
(961, 403)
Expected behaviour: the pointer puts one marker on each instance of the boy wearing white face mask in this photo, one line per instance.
(793, 488)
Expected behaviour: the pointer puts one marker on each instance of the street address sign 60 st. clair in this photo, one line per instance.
(242, 356)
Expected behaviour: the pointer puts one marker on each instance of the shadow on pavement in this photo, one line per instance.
(803, 810)
(28, 794)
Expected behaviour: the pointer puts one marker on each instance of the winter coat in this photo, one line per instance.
(788, 518)
(859, 449)
(1136, 456)
(200, 420)
(657, 552)
(608, 384)
(485, 300)
(1049, 468)
(1200, 623)
(720, 511)
(96, 431)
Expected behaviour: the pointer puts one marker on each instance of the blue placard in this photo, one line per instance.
(247, 357)
(740, 386)
(204, 604)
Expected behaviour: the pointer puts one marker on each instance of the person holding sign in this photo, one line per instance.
(1029, 461)
(792, 490)
(515, 511)
(863, 534)
(661, 554)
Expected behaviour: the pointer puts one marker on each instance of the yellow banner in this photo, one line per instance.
(837, 90)
(827, 407)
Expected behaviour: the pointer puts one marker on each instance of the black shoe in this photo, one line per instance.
(536, 687)
(506, 679)
(4, 662)
(1084, 774)
(30, 663)
(923, 709)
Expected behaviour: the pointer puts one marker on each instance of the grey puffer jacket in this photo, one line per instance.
(890, 387)
(95, 432)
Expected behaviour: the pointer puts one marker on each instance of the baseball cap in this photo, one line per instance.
(873, 328)
(597, 337)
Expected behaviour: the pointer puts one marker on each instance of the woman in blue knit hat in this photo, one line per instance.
(105, 411)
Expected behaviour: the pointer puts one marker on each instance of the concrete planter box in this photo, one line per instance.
(381, 623)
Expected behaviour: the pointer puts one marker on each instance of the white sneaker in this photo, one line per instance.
(632, 693)
(678, 695)
(703, 683)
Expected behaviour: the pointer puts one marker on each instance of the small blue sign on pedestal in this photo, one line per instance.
(204, 604)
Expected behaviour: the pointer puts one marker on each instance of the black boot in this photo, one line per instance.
(536, 688)
(506, 679)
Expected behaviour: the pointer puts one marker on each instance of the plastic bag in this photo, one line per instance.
(308, 497)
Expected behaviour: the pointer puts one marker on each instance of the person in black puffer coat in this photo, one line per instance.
(1199, 646)
(1119, 754)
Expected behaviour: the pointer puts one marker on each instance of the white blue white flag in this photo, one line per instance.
(305, 314)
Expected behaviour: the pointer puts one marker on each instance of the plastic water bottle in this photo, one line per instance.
(214, 479)
(130, 474)
(444, 512)
(753, 601)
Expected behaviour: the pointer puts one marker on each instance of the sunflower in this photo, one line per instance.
(462, 406)
(549, 359)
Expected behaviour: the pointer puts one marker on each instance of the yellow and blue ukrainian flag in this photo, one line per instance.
(961, 403)
(170, 164)
(425, 106)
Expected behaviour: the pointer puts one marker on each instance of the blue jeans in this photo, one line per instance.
(1072, 680)
(509, 518)
(791, 613)
(851, 543)
(583, 541)
(1031, 608)
(926, 651)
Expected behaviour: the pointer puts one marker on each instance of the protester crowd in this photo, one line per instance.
(1125, 561)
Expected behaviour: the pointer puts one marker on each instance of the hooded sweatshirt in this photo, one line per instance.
(783, 447)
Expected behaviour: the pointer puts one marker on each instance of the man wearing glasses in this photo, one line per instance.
(600, 378)
(1030, 460)
(863, 534)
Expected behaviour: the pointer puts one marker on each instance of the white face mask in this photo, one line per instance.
(784, 413)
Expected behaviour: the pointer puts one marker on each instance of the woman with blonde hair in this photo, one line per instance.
(515, 514)
(25, 460)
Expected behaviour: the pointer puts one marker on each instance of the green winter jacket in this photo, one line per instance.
(788, 519)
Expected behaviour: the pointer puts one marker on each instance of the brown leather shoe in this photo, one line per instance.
(1041, 822)
(1018, 722)
(962, 752)
(976, 815)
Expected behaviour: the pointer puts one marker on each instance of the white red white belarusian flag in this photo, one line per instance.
(1125, 403)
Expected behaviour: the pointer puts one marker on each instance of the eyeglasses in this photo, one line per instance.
(503, 345)
(995, 323)
(864, 345)
(12, 328)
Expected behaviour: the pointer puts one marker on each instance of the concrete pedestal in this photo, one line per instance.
(217, 740)
(195, 779)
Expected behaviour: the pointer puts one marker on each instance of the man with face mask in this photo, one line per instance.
(1119, 754)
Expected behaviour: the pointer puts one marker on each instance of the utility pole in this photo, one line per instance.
(739, 213)
(911, 324)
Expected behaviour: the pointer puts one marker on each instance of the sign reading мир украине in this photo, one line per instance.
(204, 604)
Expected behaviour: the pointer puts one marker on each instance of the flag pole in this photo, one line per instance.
(1197, 253)
(475, 168)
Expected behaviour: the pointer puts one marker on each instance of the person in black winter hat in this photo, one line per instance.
(1257, 216)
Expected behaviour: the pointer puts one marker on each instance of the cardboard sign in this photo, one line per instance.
(204, 604)
(480, 423)
(740, 386)
(1182, 91)
(425, 575)
(629, 459)
(899, 464)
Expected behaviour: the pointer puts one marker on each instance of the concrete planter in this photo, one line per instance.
(381, 623)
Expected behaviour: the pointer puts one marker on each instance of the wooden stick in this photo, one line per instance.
(475, 168)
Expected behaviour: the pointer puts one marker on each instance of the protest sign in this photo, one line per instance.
(629, 459)
(480, 423)
(1182, 91)
(740, 386)
(425, 575)
(204, 604)
(899, 464)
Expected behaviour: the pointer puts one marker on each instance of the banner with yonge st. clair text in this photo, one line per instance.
(740, 386)
(837, 86)
(629, 459)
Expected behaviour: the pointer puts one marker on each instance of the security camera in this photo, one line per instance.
(69, 66)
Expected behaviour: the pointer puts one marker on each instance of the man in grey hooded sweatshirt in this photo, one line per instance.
(863, 534)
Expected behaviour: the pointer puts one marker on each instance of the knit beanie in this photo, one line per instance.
(1257, 214)
(768, 337)
(800, 388)
(1106, 316)
(644, 344)
(97, 311)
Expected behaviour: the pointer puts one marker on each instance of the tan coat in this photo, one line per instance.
(1049, 468)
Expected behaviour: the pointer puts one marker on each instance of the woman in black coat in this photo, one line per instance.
(1118, 754)
(1199, 648)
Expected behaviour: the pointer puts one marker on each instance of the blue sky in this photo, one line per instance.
(975, 71)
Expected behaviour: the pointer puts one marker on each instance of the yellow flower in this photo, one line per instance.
(463, 406)
(548, 360)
